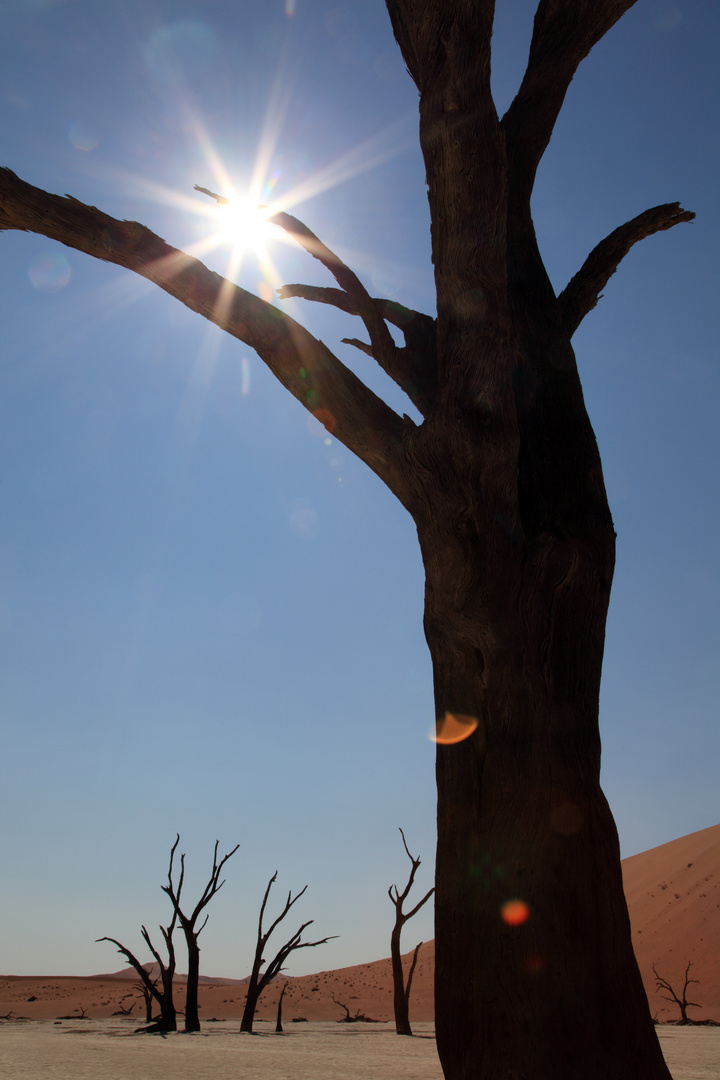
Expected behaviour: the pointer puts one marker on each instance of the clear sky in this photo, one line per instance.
(211, 617)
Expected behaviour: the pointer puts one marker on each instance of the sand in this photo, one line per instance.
(107, 1050)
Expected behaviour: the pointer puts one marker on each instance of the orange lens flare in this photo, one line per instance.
(453, 729)
(514, 912)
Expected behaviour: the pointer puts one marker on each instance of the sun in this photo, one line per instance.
(244, 224)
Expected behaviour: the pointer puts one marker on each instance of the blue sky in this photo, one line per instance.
(211, 620)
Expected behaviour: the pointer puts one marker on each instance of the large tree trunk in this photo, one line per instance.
(248, 1016)
(192, 1018)
(518, 548)
(168, 1013)
(547, 989)
(400, 998)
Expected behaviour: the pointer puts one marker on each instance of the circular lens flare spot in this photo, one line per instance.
(453, 728)
(514, 912)
(50, 273)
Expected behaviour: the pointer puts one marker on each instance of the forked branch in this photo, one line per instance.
(583, 291)
(415, 365)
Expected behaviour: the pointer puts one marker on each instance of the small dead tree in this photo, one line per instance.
(682, 1003)
(189, 924)
(358, 1018)
(278, 1022)
(122, 1011)
(258, 981)
(146, 994)
(401, 989)
(168, 1015)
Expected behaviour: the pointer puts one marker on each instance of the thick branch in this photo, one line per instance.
(585, 289)
(432, 34)
(329, 390)
(564, 32)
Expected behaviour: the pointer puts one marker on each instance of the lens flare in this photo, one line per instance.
(50, 273)
(453, 728)
(514, 912)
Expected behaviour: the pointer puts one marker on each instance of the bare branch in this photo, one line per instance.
(150, 984)
(394, 313)
(361, 345)
(415, 365)
(219, 199)
(564, 32)
(349, 282)
(306, 367)
(583, 291)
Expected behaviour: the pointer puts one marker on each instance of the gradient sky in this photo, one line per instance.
(211, 616)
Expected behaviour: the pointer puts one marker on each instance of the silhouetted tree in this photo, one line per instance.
(358, 1018)
(146, 995)
(259, 980)
(401, 989)
(189, 925)
(278, 1021)
(682, 1003)
(168, 1015)
(503, 479)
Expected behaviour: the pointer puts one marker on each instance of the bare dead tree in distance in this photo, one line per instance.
(503, 479)
(168, 1014)
(258, 981)
(190, 927)
(278, 1019)
(146, 994)
(682, 1003)
(401, 988)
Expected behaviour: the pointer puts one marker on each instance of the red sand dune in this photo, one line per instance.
(673, 894)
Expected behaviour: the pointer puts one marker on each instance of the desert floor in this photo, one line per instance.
(108, 1050)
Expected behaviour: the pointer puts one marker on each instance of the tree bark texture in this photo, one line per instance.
(535, 973)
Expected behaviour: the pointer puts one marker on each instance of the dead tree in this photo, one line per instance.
(358, 1018)
(401, 989)
(122, 1011)
(278, 1021)
(146, 995)
(189, 925)
(503, 479)
(167, 1020)
(682, 1003)
(259, 980)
